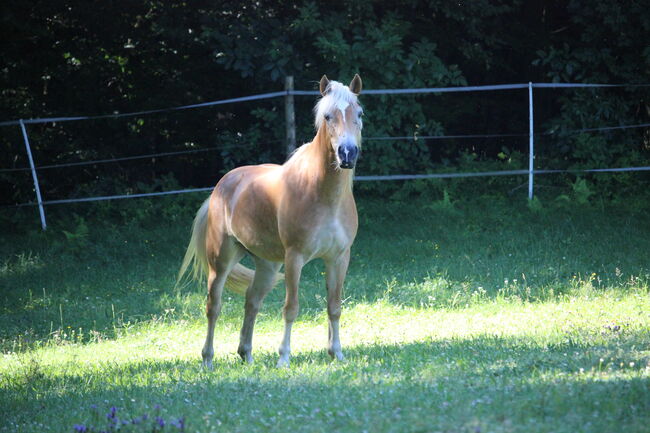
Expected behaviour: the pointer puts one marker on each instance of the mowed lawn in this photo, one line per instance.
(481, 316)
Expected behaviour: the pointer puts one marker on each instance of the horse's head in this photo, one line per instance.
(340, 113)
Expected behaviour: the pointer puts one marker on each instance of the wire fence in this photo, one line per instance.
(531, 134)
(384, 138)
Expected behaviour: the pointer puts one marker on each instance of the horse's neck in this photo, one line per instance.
(318, 171)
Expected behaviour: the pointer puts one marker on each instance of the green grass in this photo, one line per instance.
(471, 316)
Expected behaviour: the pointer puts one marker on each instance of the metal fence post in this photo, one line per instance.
(531, 140)
(290, 115)
(34, 176)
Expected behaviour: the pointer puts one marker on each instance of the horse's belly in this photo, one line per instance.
(266, 248)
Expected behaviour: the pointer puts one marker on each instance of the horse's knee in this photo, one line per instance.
(334, 312)
(290, 311)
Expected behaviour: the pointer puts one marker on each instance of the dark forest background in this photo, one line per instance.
(61, 58)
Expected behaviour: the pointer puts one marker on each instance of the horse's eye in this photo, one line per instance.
(328, 117)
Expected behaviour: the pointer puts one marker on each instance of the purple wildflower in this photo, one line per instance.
(160, 422)
(179, 423)
(80, 428)
(111, 414)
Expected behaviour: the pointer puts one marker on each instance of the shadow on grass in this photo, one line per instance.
(485, 383)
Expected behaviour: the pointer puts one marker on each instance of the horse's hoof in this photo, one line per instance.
(283, 362)
(207, 364)
(246, 356)
(336, 355)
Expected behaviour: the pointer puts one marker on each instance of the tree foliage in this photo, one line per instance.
(602, 42)
(65, 58)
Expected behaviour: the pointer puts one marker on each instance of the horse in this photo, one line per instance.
(292, 213)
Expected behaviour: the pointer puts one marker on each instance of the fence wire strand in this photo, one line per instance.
(270, 95)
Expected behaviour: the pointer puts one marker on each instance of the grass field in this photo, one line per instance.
(482, 316)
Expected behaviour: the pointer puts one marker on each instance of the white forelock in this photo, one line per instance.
(338, 96)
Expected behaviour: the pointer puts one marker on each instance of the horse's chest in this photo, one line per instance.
(331, 238)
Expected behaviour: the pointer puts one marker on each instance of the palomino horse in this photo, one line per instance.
(291, 213)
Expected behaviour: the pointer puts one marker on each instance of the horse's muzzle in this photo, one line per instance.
(348, 154)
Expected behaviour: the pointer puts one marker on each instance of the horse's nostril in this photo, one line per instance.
(348, 153)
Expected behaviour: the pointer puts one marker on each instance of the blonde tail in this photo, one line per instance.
(239, 278)
(195, 255)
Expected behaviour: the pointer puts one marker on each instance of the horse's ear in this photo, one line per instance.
(355, 84)
(324, 83)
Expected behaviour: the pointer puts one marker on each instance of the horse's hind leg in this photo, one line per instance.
(228, 256)
(264, 280)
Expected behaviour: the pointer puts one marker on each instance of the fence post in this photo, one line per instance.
(290, 115)
(531, 140)
(34, 176)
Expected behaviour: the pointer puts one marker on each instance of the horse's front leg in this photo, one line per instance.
(335, 273)
(293, 264)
